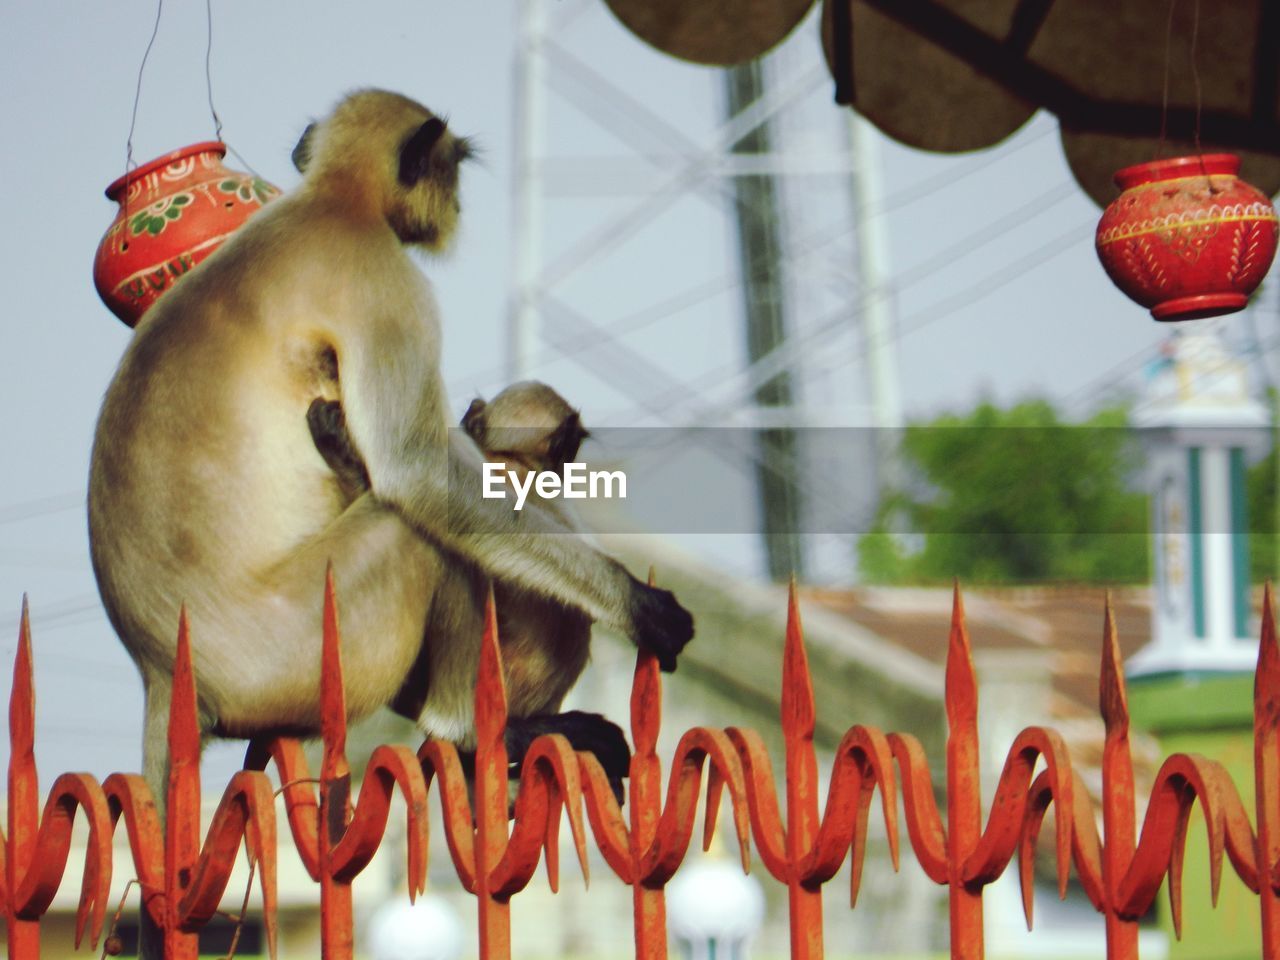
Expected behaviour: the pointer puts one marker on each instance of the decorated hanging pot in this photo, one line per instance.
(174, 212)
(1187, 238)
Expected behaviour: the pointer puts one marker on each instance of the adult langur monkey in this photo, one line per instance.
(207, 488)
(528, 427)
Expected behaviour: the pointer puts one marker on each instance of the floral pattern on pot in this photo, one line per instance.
(250, 189)
(154, 219)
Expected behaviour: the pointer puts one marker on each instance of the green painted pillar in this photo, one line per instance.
(1200, 423)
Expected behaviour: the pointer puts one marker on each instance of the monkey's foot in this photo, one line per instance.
(584, 731)
(328, 423)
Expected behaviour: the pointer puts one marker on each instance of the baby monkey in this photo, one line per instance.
(530, 428)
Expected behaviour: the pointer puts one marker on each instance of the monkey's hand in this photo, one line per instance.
(662, 626)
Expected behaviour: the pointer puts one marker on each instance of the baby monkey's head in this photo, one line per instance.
(528, 425)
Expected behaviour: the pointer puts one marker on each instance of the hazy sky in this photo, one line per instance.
(1001, 293)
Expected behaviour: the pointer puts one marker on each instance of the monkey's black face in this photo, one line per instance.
(432, 152)
(565, 441)
(427, 172)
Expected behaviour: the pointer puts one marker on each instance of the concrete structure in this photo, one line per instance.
(1192, 686)
(1200, 423)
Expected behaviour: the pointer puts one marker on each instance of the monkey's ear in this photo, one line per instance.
(473, 420)
(302, 152)
(415, 155)
(567, 438)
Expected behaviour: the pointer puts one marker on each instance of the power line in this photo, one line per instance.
(790, 351)
(92, 730)
(59, 610)
(799, 252)
(1135, 361)
(40, 507)
(632, 366)
(29, 557)
(637, 366)
(1110, 377)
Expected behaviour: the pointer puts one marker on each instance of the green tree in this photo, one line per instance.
(1013, 496)
(1260, 494)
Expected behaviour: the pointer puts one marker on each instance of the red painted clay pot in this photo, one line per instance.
(174, 212)
(1187, 238)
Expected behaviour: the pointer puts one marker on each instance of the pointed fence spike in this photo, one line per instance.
(24, 786)
(1215, 869)
(711, 810)
(1266, 681)
(182, 792)
(333, 703)
(491, 688)
(551, 849)
(798, 711)
(22, 696)
(84, 907)
(578, 830)
(646, 698)
(1027, 881)
(416, 865)
(335, 773)
(961, 681)
(855, 880)
(1174, 883)
(1113, 701)
(184, 726)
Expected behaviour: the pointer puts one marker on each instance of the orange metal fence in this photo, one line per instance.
(336, 835)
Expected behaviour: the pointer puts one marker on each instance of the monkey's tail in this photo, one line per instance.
(155, 742)
(155, 771)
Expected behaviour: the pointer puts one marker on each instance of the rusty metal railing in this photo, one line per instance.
(182, 882)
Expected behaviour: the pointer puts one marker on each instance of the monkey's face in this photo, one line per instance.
(425, 208)
(393, 153)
